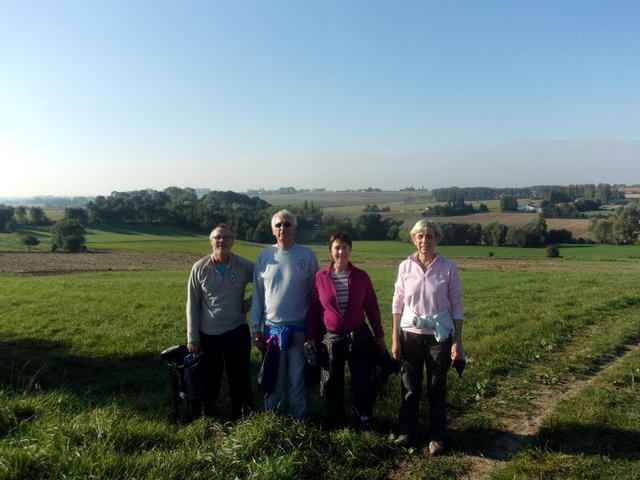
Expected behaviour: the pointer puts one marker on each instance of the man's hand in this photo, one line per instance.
(194, 347)
(258, 340)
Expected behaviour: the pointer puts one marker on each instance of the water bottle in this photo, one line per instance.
(310, 353)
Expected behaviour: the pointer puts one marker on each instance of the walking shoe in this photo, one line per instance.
(402, 440)
(436, 448)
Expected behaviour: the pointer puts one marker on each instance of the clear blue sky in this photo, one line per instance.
(121, 95)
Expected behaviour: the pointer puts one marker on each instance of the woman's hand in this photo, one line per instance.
(396, 351)
(457, 351)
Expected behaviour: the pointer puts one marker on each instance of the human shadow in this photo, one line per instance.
(567, 438)
(137, 382)
(488, 442)
(590, 439)
(140, 382)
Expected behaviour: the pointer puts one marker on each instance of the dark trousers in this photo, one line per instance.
(232, 350)
(419, 351)
(357, 349)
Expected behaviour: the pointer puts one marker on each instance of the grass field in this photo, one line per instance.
(155, 238)
(83, 394)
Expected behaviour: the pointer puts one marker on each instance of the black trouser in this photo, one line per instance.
(357, 348)
(231, 349)
(418, 351)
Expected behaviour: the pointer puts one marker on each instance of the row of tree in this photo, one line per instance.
(11, 217)
(554, 193)
(621, 228)
(533, 234)
(455, 206)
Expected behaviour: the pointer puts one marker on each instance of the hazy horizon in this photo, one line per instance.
(120, 96)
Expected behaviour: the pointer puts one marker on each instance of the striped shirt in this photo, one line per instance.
(341, 282)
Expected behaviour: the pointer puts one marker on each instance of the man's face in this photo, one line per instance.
(221, 241)
(284, 231)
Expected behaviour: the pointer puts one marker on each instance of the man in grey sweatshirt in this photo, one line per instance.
(217, 321)
(283, 278)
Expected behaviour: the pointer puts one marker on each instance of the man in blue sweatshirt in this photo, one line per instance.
(282, 281)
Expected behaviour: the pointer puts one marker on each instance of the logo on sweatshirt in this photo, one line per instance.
(233, 278)
(302, 264)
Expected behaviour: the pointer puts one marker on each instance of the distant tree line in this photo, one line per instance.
(533, 234)
(622, 228)
(12, 217)
(373, 208)
(249, 216)
(478, 193)
(554, 193)
(455, 206)
(182, 207)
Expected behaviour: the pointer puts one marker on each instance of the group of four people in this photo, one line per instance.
(296, 305)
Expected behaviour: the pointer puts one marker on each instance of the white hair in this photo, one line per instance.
(427, 226)
(286, 214)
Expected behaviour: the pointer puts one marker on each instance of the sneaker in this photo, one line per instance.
(436, 448)
(402, 440)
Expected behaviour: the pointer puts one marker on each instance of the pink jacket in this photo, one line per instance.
(430, 292)
(324, 304)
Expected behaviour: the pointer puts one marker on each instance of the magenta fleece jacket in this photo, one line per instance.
(324, 304)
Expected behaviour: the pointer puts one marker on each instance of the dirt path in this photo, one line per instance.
(521, 429)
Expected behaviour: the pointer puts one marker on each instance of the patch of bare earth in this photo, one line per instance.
(48, 263)
(509, 264)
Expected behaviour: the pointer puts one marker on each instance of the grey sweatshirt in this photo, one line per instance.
(215, 302)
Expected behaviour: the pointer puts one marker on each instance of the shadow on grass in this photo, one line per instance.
(571, 439)
(575, 438)
(146, 229)
(138, 382)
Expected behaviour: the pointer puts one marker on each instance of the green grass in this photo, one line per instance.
(163, 238)
(83, 393)
(594, 435)
(11, 242)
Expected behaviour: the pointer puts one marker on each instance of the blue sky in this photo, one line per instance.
(122, 95)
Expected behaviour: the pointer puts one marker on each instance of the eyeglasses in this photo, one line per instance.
(222, 237)
(281, 224)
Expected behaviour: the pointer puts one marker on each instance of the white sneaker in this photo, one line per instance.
(436, 448)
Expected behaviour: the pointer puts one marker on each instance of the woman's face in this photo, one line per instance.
(425, 241)
(340, 252)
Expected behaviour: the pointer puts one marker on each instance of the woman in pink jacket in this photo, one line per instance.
(342, 296)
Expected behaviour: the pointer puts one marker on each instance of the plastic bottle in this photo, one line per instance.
(310, 353)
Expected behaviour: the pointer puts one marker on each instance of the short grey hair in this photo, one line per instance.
(225, 226)
(427, 226)
(284, 213)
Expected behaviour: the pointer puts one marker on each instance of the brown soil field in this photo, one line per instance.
(47, 263)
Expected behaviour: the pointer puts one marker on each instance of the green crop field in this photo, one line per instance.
(84, 395)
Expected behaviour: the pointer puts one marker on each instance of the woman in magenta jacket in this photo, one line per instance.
(342, 297)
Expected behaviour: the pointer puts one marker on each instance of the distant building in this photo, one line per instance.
(529, 209)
